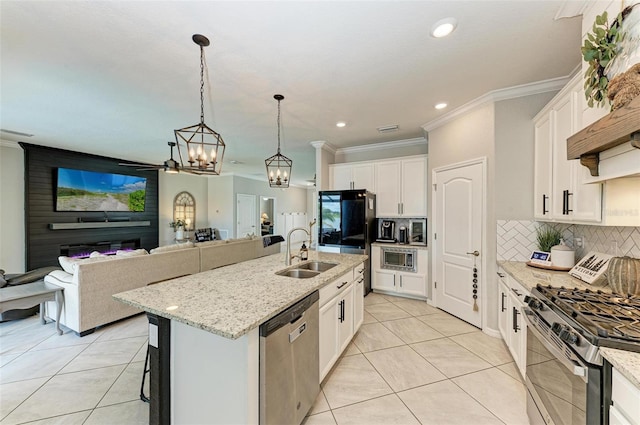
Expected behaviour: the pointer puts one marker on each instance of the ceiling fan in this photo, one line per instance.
(169, 166)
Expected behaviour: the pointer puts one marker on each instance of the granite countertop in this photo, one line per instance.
(399, 245)
(625, 362)
(232, 300)
(529, 277)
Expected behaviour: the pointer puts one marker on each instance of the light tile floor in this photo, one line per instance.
(410, 363)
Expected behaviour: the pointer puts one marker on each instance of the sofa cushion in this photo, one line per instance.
(132, 253)
(174, 247)
(59, 276)
(70, 265)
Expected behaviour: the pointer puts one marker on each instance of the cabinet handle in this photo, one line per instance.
(515, 291)
(394, 280)
(361, 270)
(516, 328)
(398, 208)
(401, 207)
(501, 274)
(341, 285)
(544, 204)
(504, 296)
(568, 209)
(401, 281)
(341, 311)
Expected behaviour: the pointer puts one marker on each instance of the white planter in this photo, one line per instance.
(180, 234)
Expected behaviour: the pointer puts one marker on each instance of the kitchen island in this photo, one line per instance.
(204, 335)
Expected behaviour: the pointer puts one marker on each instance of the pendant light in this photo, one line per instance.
(278, 166)
(203, 147)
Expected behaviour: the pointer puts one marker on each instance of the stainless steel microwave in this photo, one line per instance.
(399, 259)
(418, 231)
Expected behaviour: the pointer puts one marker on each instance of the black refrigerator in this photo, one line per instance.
(348, 224)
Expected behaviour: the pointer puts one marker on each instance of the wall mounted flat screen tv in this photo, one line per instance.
(79, 190)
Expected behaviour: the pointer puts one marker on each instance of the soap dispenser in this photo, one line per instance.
(304, 252)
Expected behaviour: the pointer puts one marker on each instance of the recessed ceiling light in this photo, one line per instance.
(443, 27)
(441, 105)
(341, 124)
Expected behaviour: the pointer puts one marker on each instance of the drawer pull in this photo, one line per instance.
(341, 285)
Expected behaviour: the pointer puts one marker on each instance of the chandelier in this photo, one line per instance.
(203, 147)
(278, 166)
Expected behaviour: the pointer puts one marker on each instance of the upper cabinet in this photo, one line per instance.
(352, 176)
(400, 184)
(559, 190)
(401, 187)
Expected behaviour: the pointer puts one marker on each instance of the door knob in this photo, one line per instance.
(474, 253)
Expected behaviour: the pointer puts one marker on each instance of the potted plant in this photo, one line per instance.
(178, 227)
(548, 237)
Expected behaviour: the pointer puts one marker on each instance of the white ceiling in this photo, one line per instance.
(115, 78)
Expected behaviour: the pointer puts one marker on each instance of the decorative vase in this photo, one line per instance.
(623, 275)
(179, 233)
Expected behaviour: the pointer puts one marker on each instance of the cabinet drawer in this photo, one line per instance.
(334, 288)
(358, 272)
(625, 396)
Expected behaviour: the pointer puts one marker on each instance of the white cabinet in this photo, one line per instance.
(395, 282)
(401, 187)
(341, 314)
(351, 176)
(625, 400)
(559, 190)
(512, 326)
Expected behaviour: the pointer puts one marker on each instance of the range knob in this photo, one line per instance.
(557, 328)
(568, 336)
(534, 303)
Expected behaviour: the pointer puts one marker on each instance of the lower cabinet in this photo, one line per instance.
(625, 401)
(341, 314)
(395, 282)
(512, 326)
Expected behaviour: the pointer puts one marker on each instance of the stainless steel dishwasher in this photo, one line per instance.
(289, 365)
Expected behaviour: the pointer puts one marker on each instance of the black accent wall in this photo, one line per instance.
(43, 244)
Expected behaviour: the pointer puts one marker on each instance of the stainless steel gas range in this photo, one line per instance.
(567, 380)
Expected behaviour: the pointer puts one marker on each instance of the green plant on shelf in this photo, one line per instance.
(179, 223)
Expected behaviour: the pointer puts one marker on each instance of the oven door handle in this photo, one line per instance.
(573, 365)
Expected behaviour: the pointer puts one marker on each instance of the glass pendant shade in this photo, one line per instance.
(278, 165)
(200, 148)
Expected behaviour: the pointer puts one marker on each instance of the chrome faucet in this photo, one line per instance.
(289, 257)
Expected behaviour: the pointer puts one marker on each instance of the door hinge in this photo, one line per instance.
(435, 236)
(435, 187)
(435, 284)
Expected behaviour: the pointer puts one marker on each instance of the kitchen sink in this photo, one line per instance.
(298, 273)
(318, 266)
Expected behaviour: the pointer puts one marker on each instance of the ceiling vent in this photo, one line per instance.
(388, 128)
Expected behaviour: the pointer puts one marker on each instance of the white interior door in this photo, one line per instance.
(246, 214)
(458, 211)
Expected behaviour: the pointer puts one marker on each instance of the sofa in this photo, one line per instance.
(90, 283)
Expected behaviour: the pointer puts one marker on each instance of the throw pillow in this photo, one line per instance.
(95, 254)
(67, 264)
(3, 281)
(174, 247)
(132, 253)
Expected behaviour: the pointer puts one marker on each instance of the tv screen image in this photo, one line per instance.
(80, 190)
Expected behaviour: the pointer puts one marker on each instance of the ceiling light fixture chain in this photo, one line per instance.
(203, 146)
(278, 165)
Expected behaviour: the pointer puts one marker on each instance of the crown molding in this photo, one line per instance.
(321, 144)
(262, 179)
(553, 84)
(383, 146)
(9, 144)
(571, 8)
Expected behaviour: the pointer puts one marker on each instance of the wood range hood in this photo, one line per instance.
(620, 126)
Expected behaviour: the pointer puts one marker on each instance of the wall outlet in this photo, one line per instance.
(577, 241)
(613, 248)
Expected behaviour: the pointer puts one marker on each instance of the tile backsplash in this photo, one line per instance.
(517, 238)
